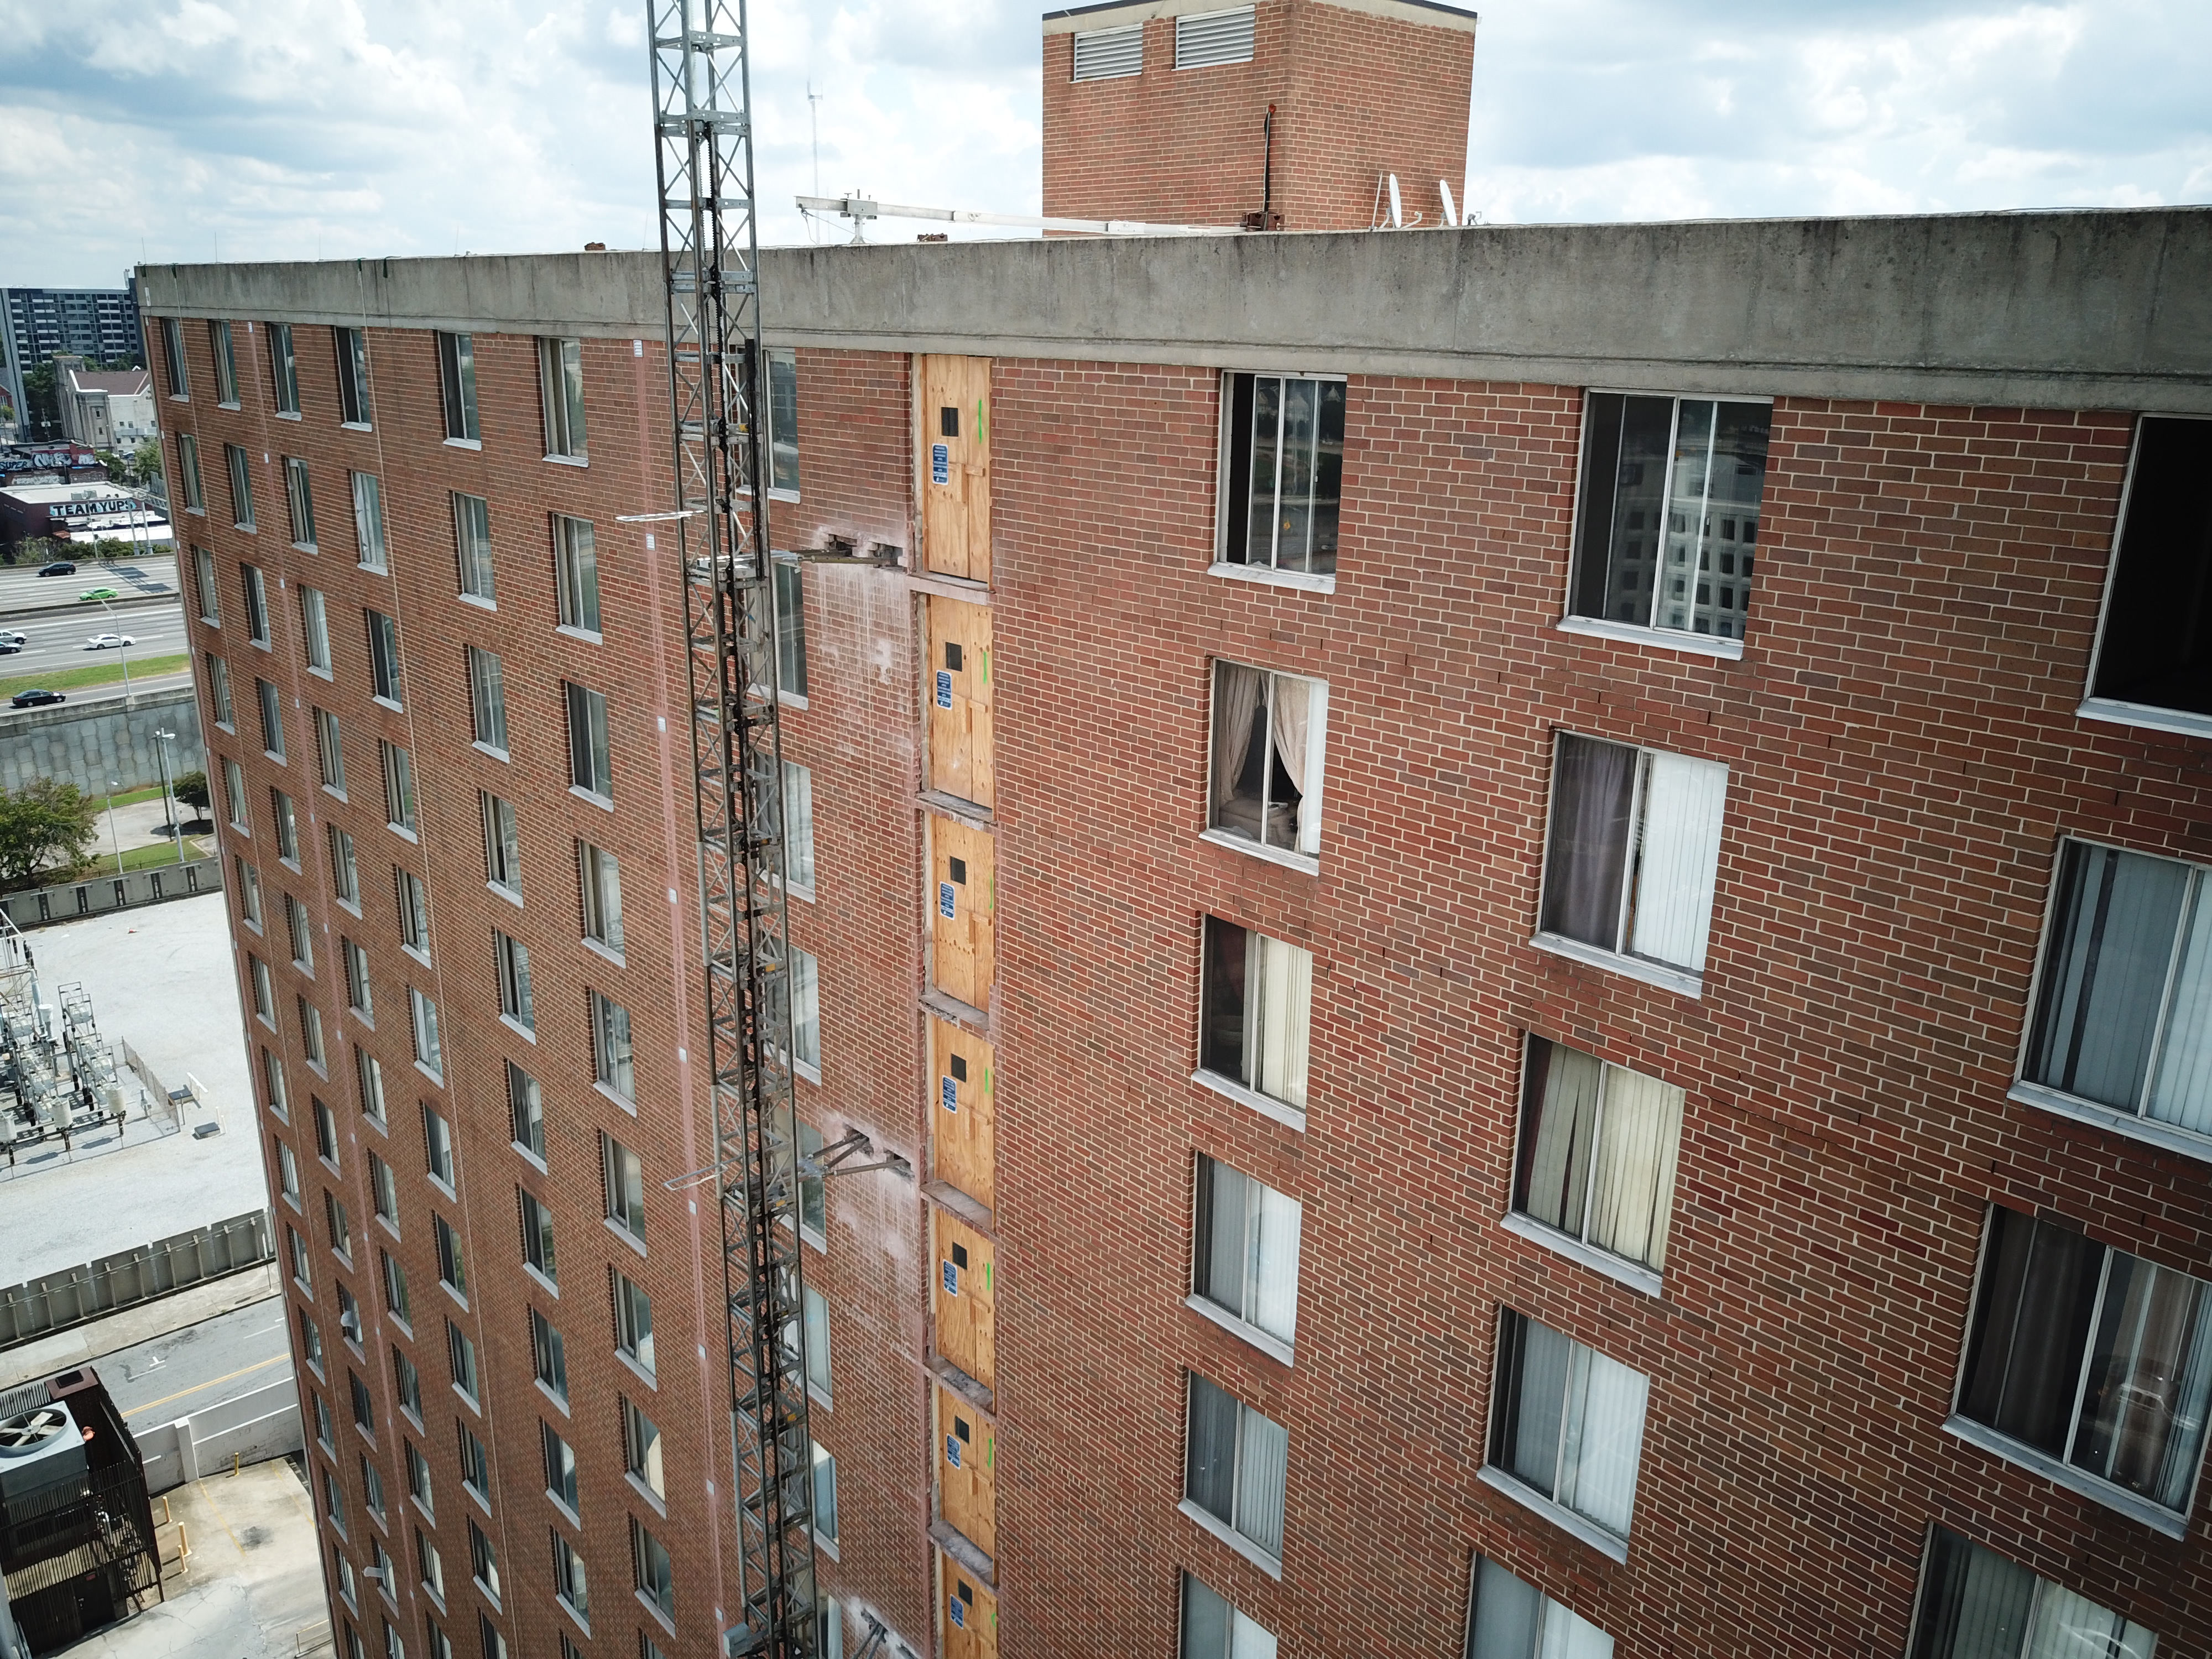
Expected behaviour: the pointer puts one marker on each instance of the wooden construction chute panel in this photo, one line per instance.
(963, 1294)
(955, 419)
(963, 1115)
(959, 700)
(967, 1470)
(969, 1611)
(963, 897)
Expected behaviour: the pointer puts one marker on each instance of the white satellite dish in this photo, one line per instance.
(1397, 207)
(1451, 208)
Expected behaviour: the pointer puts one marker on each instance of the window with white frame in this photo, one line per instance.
(1633, 851)
(641, 1450)
(560, 1459)
(633, 1322)
(1566, 1423)
(568, 1579)
(1214, 1628)
(351, 345)
(383, 657)
(814, 1191)
(188, 473)
(805, 1009)
(438, 1146)
(172, 357)
(612, 1056)
(817, 1322)
(218, 677)
(2154, 657)
(249, 892)
(272, 719)
(799, 828)
(256, 604)
(1256, 1019)
(288, 827)
(502, 844)
(1205, 38)
(225, 364)
(1974, 1604)
(424, 1012)
(2122, 1022)
(398, 788)
(2097, 1362)
(234, 796)
(1270, 738)
(414, 900)
(602, 889)
(624, 1174)
(265, 990)
(656, 1574)
(457, 384)
(311, 1034)
(1235, 1466)
(1109, 54)
(369, 522)
(483, 1566)
(512, 957)
(345, 869)
(790, 590)
(576, 573)
(1511, 1620)
(300, 499)
(461, 1359)
(590, 768)
(1245, 1262)
(1597, 1151)
(283, 367)
(397, 1302)
(241, 469)
(204, 587)
(1282, 472)
(825, 1495)
(488, 699)
(1667, 525)
(561, 388)
(369, 1075)
(472, 545)
(452, 1265)
(301, 929)
(525, 1111)
(538, 1235)
(315, 628)
(330, 751)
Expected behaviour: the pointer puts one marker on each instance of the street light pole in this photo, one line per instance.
(114, 832)
(126, 650)
(176, 818)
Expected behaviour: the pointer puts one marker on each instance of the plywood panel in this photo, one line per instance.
(969, 1613)
(959, 693)
(964, 1295)
(963, 1115)
(963, 894)
(955, 433)
(967, 1470)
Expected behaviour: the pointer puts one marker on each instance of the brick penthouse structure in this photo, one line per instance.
(1536, 916)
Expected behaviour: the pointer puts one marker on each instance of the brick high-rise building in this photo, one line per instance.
(1535, 917)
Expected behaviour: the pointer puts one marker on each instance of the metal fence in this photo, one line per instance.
(40, 905)
(57, 1301)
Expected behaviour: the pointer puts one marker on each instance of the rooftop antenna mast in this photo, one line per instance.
(710, 253)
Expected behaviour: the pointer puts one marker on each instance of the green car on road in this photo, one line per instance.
(92, 594)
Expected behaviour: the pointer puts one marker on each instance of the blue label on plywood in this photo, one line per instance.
(944, 689)
(952, 1450)
(952, 1279)
(940, 463)
(950, 1090)
(959, 1613)
(945, 900)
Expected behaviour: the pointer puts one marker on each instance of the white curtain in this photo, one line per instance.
(2182, 1092)
(1272, 1305)
(1284, 1007)
(2070, 1627)
(1249, 1639)
(1287, 724)
(1990, 1618)
(1603, 1439)
(798, 824)
(1635, 1196)
(1263, 1455)
(1558, 1172)
(1237, 691)
(1681, 853)
(1568, 1635)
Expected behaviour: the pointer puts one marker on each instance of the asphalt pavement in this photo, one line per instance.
(56, 642)
(22, 589)
(202, 1366)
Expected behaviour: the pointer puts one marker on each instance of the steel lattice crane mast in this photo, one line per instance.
(710, 249)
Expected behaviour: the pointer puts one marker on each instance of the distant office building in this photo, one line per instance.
(100, 325)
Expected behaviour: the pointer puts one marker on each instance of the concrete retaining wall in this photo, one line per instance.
(252, 1428)
(87, 744)
(54, 1301)
(66, 902)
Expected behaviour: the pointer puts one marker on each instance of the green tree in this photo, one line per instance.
(44, 822)
(42, 409)
(191, 789)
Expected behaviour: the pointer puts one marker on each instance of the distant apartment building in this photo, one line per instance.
(1531, 901)
(98, 324)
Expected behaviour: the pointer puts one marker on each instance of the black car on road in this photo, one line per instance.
(33, 698)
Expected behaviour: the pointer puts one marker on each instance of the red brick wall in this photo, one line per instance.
(1903, 755)
(1356, 95)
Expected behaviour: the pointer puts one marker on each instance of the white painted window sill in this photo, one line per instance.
(356, 426)
(638, 1372)
(1695, 645)
(438, 1078)
(544, 1283)
(287, 414)
(480, 601)
(1274, 1346)
(464, 443)
(305, 547)
(416, 951)
(561, 1507)
(1270, 578)
(570, 460)
(560, 1402)
(483, 748)
(827, 1546)
(574, 1617)
(1605, 1543)
(605, 954)
(811, 1073)
(2166, 1136)
(1632, 1274)
(401, 831)
(660, 1504)
(529, 1157)
(467, 1399)
(392, 703)
(2111, 710)
(619, 1099)
(592, 795)
(524, 1032)
(792, 699)
(321, 671)
(1651, 972)
(1271, 1565)
(1267, 1106)
(379, 569)
(507, 893)
(2131, 1505)
(1305, 863)
(588, 635)
(623, 1233)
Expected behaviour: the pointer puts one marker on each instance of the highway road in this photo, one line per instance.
(22, 587)
(56, 641)
(202, 1366)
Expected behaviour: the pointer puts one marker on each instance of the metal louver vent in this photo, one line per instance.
(1214, 37)
(1105, 54)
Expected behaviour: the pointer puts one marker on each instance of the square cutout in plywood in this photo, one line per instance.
(959, 701)
(967, 1470)
(963, 1115)
(964, 897)
(963, 1294)
(956, 466)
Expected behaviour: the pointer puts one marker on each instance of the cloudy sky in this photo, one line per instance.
(173, 130)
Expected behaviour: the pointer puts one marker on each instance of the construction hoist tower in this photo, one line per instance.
(710, 250)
